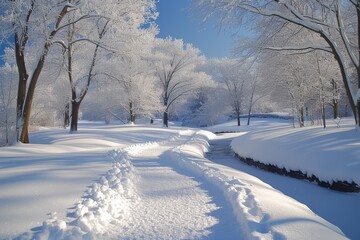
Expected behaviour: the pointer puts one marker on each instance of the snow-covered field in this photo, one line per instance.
(149, 182)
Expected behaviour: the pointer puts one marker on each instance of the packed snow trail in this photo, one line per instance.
(145, 195)
(173, 205)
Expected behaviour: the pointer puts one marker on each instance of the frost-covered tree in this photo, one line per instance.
(208, 106)
(234, 75)
(336, 22)
(175, 64)
(133, 76)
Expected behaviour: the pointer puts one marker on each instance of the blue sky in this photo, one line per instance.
(175, 20)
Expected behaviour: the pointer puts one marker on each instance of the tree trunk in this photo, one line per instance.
(251, 101)
(323, 112)
(6, 128)
(238, 117)
(132, 114)
(23, 78)
(336, 108)
(301, 117)
(166, 119)
(335, 100)
(166, 116)
(75, 107)
(67, 115)
(24, 137)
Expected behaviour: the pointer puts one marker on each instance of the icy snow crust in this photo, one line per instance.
(167, 189)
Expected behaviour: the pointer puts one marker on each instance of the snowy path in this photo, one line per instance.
(163, 187)
(173, 205)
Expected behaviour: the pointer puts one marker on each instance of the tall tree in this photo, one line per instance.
(175, 61)
(233, 74)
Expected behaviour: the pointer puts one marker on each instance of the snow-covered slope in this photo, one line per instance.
(331, 154)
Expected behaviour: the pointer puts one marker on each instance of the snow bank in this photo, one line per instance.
(330, 156)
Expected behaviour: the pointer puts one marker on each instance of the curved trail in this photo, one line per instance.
(172, 204)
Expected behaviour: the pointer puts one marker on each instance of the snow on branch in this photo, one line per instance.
(301, 50)
(344, 37)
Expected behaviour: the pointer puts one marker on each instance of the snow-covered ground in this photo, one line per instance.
(144, 182)
(331, 154)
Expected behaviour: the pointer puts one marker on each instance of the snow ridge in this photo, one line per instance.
(250, 217)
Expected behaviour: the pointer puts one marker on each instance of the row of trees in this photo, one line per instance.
(333, 27)
(106, 58)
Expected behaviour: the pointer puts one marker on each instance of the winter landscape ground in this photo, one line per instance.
(150, 182)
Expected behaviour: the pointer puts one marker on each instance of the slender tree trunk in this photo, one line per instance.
(238, 117)
(301, 117)
(237, 107)
(335, 108)
(166, 118)
(248, 120)
(23, 78)
(6, 128)
(132, 114)
(251, 102)
(67, 115)
(75, 107)
(323, 114)
(335, 100)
